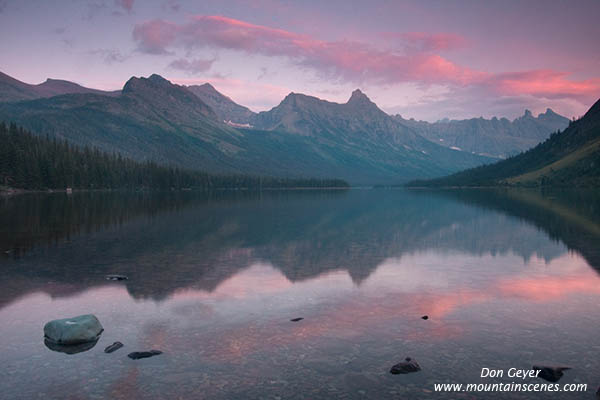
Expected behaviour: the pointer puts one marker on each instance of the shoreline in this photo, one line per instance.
(13, 191)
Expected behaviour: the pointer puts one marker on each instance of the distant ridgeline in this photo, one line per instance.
(569, 158)
(36, 163)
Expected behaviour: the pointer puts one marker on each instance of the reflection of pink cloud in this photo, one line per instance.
(550, 288)
(358, 318)
(354, 61)
(443, 304)
(127, 386)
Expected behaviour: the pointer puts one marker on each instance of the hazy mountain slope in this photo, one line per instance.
(151, 119)
(307, 115)
(14, 90)
(493, 137)
(154, 119)
(568, 158)
(360, 129)
(225, 108)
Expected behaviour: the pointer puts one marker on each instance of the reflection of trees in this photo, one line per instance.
(172, 241)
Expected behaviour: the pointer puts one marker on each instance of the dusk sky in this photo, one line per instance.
(422, 59)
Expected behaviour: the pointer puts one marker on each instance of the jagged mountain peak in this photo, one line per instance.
(164, 94)
(358, 96)
(226, 109)
(135, 84)
(360, 101)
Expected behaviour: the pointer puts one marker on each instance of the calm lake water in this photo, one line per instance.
(507, 278)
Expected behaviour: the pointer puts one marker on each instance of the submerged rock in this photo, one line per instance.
(69, 348)
(136, 355)
(550, 373)
(116, 278)
(113, 347)
(296, 319)
(406, 367)
(76, 330)
(425, 317)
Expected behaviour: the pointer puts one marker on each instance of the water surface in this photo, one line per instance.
(507, 278)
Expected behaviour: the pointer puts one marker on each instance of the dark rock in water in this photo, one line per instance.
(69, 348)
(406, 367)
(136, 355)
(551, 374)
(425, 317)
(113, 347)
(76, 330)
(296, 319)
(116, 278)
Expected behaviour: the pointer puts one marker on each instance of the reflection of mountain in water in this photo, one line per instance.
(178, 241)
(569, 216)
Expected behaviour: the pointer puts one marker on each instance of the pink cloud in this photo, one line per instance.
(126, 4)
(353, 61)
(544, 83)
(347, 60)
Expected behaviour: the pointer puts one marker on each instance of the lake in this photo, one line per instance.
(508, 278)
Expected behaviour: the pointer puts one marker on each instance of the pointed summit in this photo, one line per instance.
(226, 109)
(358, 97)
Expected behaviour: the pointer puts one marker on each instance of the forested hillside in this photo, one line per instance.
(38, 163)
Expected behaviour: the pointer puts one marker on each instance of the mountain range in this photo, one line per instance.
(496, 137)
(198, 127)
(568, 158)
(12, 89)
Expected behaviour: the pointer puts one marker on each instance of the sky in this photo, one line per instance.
(422, 59)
